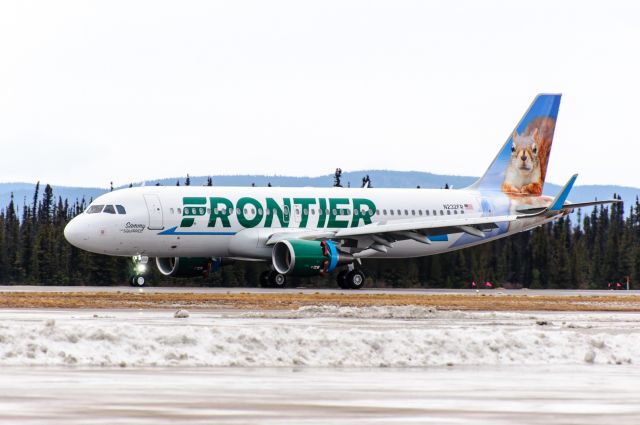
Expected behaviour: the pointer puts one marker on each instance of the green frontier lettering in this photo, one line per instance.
(362, 213)
(250, 212)
(282, 213)
(220, 209)
(335, 211)
(193, 207)
(304, 203)
(243, 212)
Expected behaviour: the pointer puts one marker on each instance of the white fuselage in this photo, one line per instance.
(201, 221)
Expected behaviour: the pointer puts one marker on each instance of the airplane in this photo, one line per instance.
(193, 230)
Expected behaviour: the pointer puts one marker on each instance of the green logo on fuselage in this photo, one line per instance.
(304, 212)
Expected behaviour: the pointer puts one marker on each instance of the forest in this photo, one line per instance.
(589, 251)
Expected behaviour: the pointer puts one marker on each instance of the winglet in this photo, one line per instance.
(561, 197)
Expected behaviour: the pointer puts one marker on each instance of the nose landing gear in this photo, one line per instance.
(139, 269)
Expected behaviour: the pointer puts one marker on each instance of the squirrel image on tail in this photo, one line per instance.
(529, 156)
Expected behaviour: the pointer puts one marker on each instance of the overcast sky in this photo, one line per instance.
(94, 91)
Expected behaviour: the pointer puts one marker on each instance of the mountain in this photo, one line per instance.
(379, 178)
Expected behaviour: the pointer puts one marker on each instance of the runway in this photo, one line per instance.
(312, 290)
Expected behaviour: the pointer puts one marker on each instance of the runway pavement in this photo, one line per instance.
(312, 290)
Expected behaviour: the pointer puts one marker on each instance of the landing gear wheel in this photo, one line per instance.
(341, 278)
(354, 279)
(138, 281)
(277, 280)
(264, 279)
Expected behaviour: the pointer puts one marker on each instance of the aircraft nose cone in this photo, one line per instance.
(73, 233)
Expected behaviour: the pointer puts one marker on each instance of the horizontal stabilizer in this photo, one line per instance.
(575, 205)
(558, 202)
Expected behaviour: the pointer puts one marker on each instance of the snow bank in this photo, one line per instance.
(318, 336)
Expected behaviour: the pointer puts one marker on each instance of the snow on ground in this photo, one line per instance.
(320, 336)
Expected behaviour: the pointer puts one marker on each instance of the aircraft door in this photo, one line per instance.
(154, 208)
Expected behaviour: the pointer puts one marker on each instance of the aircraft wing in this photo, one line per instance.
(384, 232)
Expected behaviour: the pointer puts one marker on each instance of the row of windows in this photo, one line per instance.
(312, 211)
(107, 209)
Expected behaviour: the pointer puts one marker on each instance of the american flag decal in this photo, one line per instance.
(468, 206)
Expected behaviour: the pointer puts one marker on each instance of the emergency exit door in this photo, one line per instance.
(154, 208)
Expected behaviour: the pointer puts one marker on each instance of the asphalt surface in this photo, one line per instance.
(311, 290)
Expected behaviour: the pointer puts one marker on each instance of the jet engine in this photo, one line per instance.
(307, 258)
(187, 266)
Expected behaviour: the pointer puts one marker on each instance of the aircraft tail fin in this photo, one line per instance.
(520, 167)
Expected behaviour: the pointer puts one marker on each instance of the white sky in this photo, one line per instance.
(94, 91)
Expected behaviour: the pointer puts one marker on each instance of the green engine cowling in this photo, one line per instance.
(187, 266)
(307, 258)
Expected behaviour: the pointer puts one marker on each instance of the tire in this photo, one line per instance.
(342, 279)
(355, 279)
(264, 279)
(138, 281)
(277, 280)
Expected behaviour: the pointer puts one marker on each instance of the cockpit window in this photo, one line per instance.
(121, 209)
(109, 209)
(95, 209)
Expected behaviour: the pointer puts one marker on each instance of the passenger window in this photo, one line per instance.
(356, 212)
(259, 211)
(435, 212)
(419, 212)
(313, 211)
(441, 212)
(171, 210)
(413, 212)
(94, 209)
(305, 212)
(406, 212)
(448, 212)
(179, 211)
(455, 211)
(426, 212)
(384, 212)
(391, 212)
(462, 212)
(109, 209)
(120, 209)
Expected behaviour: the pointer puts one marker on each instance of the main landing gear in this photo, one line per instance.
(272, 279)
(350, 279)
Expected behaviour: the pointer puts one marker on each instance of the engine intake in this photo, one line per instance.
(307, 258)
